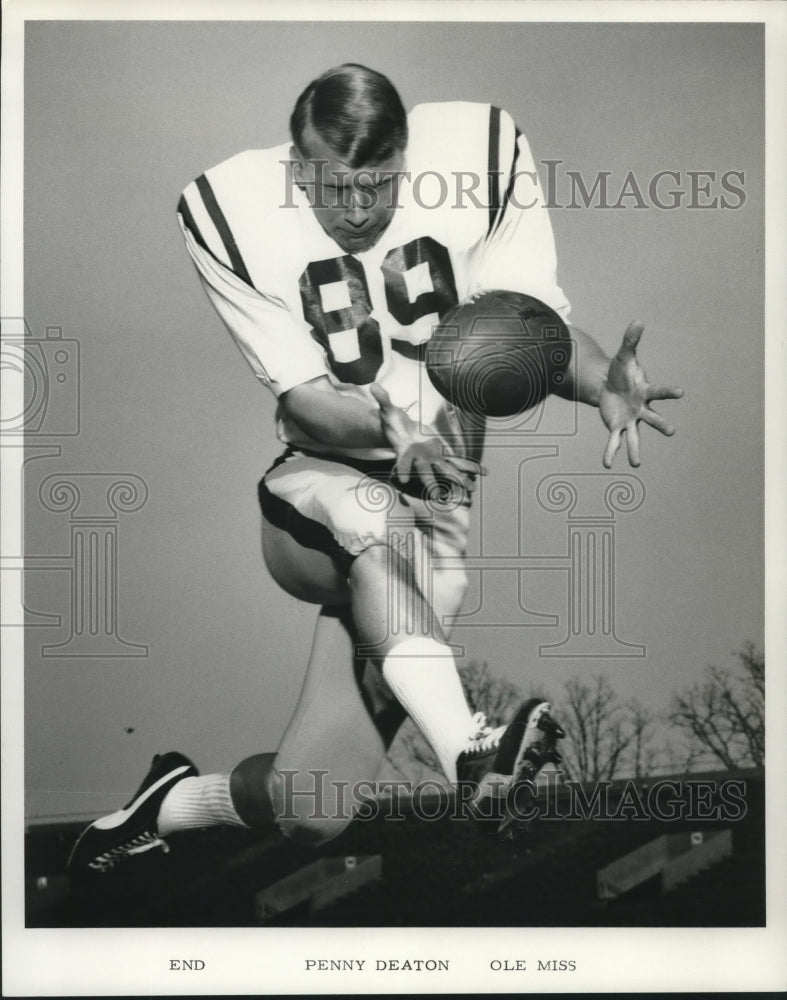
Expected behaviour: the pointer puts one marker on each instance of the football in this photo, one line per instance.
(499, 354)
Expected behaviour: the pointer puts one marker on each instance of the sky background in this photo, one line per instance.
(120, 117)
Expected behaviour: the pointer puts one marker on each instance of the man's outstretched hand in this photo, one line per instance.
(625, 398)
(423, 456)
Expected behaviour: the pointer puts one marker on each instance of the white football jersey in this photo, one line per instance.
(470, 217)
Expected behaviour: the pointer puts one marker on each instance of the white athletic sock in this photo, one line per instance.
(196, 802)
(422, 674)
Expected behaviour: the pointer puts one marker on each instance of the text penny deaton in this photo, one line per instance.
(378, 965)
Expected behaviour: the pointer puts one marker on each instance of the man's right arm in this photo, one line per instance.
(349, 422)
(333, 419)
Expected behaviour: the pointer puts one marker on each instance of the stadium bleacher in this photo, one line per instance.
(444, 872)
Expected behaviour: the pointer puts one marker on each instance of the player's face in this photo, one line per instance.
(353, 205)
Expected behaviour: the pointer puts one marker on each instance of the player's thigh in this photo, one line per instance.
(306, 573)
(321, 515)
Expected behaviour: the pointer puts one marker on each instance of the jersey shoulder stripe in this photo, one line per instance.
(184, 211)
(227, 208)
(197, 220)
(472, 138)
(511, 182)
(494, 165)
(202, 189)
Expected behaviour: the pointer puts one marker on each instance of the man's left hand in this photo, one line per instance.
(625, 398)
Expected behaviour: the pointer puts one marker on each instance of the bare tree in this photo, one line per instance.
(724, 714)
(684, 757)
(645, 755)
(605, 737)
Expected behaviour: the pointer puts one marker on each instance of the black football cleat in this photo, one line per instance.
(132, 829)
(504, 763)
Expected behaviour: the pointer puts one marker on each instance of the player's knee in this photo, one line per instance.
(448, 590)
(311, 832)
(372, 517)
(309, 812)
(376, 555)
(455, 585)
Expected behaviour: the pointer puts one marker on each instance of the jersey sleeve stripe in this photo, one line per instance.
(200, 221)
(190, 222)
(223, 229)
(512, 176)
(493, 165)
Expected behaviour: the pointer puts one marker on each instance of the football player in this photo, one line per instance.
(329, 259)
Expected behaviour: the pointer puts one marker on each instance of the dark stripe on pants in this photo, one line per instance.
(312, 534)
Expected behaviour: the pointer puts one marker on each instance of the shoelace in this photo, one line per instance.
(482, 737)
(137, 845)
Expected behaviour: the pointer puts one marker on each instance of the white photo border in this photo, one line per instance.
(246, 961)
